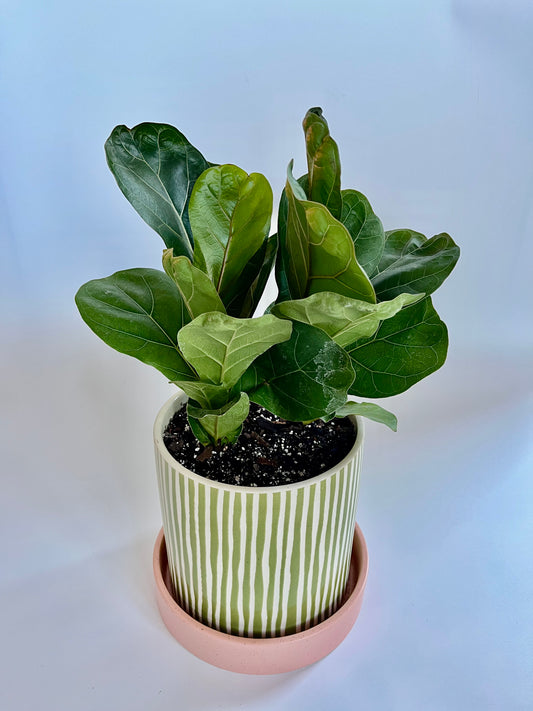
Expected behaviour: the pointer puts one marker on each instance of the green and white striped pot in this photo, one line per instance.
(257, 561)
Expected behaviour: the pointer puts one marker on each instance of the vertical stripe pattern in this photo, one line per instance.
(255, 562)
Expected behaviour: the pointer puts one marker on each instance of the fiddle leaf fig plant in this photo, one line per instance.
(353, 315)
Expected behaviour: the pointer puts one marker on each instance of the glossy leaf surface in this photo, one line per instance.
(138, 312)
(283, 256)
(230, 215)
(412, 263)
(323, 163)
(320, 251)
(220, 348)
(303, 378)
(365, 229)
(196, 289)
(404, 349)
(343, 319)
(156, 167)
(243, 296)
(295, 246)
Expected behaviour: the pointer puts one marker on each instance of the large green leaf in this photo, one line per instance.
(412, 263)
(224, 424)
(365, 229)
(220, 348)
(371, 411)
(196, 289)
(343, 319)
(321, 253)
(230, 214)
(323, 163)
(244, 295)
(303, 378)
(156, 167)
(404, 349)
(138, 312)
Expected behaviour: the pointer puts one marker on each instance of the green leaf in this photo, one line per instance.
(197, 291)
(398, 243)
(223, 425)
(282, 257)
(301, 379)
(220, 348)
(156, 167)
(230, 214)
(343, 319)
(323, 162)
(321, 253)
(245, 294)
(370, 410)
(412, 263)
(404, 349)
(199, 432)
(365, 229)
(138, 312)
(295, 243)
(207, 395)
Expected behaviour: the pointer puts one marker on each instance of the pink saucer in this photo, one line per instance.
(256, 655)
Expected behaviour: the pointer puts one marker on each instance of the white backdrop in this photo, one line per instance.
(432, 107)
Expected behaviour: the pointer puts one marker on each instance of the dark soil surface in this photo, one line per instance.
(269, 451)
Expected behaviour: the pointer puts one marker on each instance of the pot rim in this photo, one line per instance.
(169, 408)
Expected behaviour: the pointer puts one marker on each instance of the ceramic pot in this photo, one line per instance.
(257, 561)
(256, 655)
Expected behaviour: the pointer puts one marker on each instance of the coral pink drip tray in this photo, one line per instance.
(272, 655)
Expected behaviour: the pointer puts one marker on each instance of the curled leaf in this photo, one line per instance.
(223, 425)
(323, 163)
(320, 251)
(197, 291)
(207, 395)
(370, 410)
